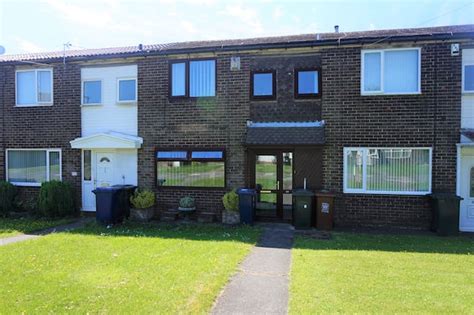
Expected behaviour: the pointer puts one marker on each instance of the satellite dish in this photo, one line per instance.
(2, 50)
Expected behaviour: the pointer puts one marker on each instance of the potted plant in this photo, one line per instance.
(143, 202)
(186, 204)
(231, 214)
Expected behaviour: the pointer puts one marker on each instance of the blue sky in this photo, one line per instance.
(45, 25)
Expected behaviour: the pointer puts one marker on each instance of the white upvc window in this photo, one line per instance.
(91, 92)
(31, 167)
(34, 87)
(127, 90)
(391, 71)
(397, 171)
(468, 77)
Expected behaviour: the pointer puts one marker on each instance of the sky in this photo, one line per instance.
(46, 25)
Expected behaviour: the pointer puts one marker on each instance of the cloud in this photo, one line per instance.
(188, 27)
(26, 46)
(246, 15)
(372, 27)
(277, 13)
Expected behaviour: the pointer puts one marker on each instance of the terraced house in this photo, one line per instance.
(380, 118)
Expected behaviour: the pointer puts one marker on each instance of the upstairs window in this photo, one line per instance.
(307, 83)
(127, 90)
(195, 78)
(262, 85)
(468, 78)
(91, 92)
(34, 87)
(391, 71)
(404, 171)
(191, 168)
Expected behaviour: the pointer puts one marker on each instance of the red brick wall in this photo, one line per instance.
(45, 126)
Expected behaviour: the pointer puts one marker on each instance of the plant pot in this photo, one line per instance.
(143, 215)
(230, 217)
(187, 210)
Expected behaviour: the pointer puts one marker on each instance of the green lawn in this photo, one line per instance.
(10, 227)
(129, 269)
(360, 273)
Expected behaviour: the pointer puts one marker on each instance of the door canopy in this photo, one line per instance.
(108, 140)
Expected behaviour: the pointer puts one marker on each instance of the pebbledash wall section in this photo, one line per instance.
(44, 127)
(431, 119)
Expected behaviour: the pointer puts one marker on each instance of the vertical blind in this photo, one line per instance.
(402, 170)
(308, 82)
(372, 71)
(202, 78)
(401, 71)
(44, 86)
(27, 166)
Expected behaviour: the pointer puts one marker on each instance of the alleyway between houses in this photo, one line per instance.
(261, 285)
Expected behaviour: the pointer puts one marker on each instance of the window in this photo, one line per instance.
(471, 183)
(91, 92)
(34, 87)
(391, 71)
(87, 172)
(195, 78)
(32, 167)
(307, 83)
(127, 90)
(200, 168)
(405, 171)
(468, 79)
(262, 85)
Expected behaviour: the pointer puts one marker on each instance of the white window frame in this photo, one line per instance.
(118, 90)
(469, 63)
(364, 190)
(28, 184)
(382, 58)
(38, 103)
(101, 92)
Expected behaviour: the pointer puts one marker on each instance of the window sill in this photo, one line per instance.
(34, 105)
(190, 188)
(172, 99)
(20, 184)
(395, 193)
(389, 94)
(126, 103)
(92, 105)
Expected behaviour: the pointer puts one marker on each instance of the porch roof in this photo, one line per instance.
(285, 133)
(467, 137)
(107, 140)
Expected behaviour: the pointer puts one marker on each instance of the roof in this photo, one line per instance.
(467, 136)
(285, 133)
(303, 40)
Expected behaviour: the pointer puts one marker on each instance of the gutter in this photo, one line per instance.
(297, 44)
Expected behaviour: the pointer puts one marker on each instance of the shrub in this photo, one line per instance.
(7, 198)
(231, 201)
(56, 199)
(143, 199)
(186, 202)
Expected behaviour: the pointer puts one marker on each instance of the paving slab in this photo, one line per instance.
(261, 285)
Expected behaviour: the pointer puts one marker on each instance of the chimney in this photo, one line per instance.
(336, 28)
(140, 47)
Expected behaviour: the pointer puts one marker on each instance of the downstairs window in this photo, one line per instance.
(404, 171)
(32, 167)
(191, 168)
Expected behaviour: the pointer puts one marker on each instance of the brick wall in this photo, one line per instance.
(431, 119)
(45, 126)
(217, 122)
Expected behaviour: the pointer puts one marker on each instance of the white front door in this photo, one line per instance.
(97, 171)
(466, 215)
(104, 169)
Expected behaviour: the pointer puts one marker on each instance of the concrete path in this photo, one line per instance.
(261, 285)
(56, 229)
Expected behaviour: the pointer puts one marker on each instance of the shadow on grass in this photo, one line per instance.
(463, 245)
(189, 231)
